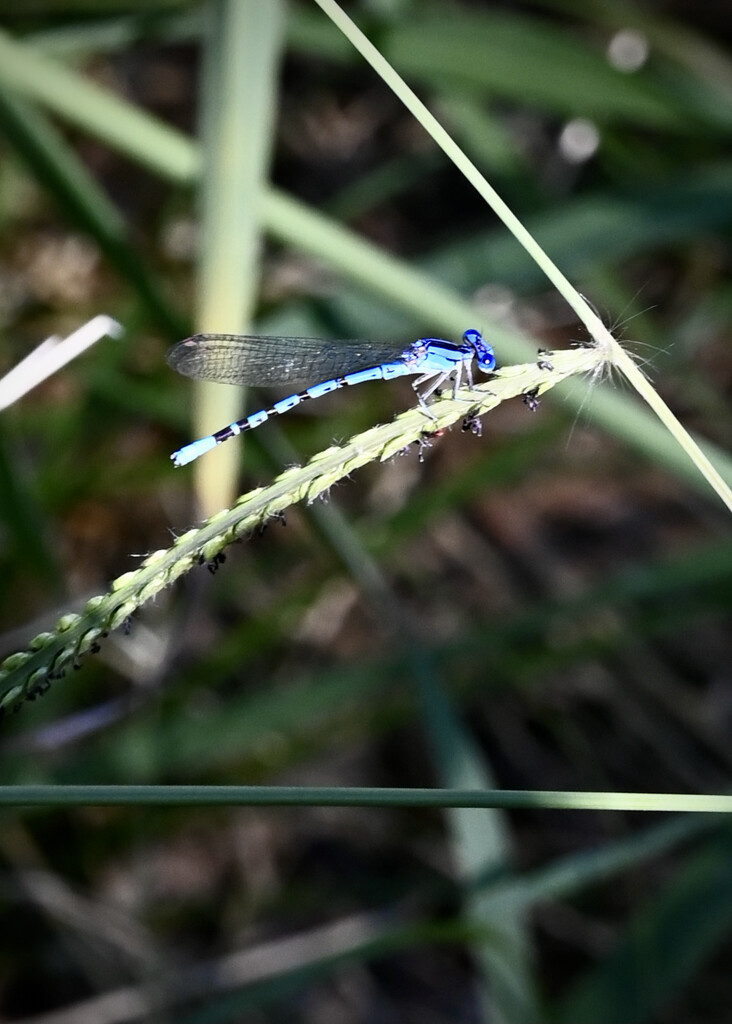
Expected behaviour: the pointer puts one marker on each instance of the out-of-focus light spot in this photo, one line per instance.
(179, 238)
(495, 299)
(579, 140)
(628, 50)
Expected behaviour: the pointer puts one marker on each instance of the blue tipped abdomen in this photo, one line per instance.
(191, 451)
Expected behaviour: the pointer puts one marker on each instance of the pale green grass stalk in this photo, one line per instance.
(358, 796)
(239, 81)
(27, 673)
(586, 314)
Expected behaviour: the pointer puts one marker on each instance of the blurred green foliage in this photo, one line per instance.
(541, 608)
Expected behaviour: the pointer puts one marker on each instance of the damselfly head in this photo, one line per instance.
(483, 350)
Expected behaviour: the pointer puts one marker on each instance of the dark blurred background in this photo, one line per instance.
(569, 596)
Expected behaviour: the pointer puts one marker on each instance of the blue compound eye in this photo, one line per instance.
(483, 349)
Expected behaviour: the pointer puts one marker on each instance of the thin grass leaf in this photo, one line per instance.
(595, 230)
(358, 796)
(90, 38)
(24, 523)
(484, 134)
(59, 170)
(261, 975)
(598, 331)
(525, 60)
(708, 62)
(28, 71)
(664, 946)
(576, 872)
(481, 847)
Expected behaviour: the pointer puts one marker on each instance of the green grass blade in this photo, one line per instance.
(24, 522)
(58, 169)
(595, 230)
(98, 111)
(96, 795)
(479, 49)
(481, 845)
(664, 946)
(576, 872)
(240, 72)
